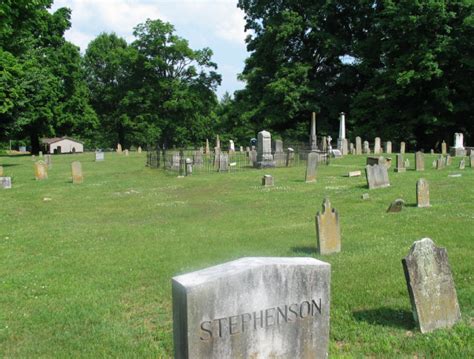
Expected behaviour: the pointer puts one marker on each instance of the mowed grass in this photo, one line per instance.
(88, 273)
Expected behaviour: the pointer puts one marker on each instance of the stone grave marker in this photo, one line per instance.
(358, 146)
(444, 148)
(430, 286)
(449, 160)
(6, 182)
(328, 231)
(41, 170)
(223, 162)
(419, 161)
(48, 160)
(377, 146)
(139, 150)
(471, 160)
(40, 154)
(407, 163)
(440, 163)
(231, 146)
(290, 157)
(279, 156)
(99, 156)
(396, 206)
(324, 144)
(462, 164)
(402, 148)
(77, 176)
(388, 162)
(207, 150)
(388, 147)
(366, 147)
(253, 308)
(400, 164)
(126, 153)
(264, 150)
(377, 176)
(311, 167)
(119, 148)
(372, 160)
(267, 180)
(422, 193)
(354, 174)
(432, 152)
(189, 167)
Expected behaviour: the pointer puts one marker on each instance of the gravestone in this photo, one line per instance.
(449, 160)
(344, 146)
(328, 231)
(175, 161)
(371, 160)
(139, 150)
(440, 163)
(76, 168)
(189, 167)
(462, 164)
(267, 180)
(5, 182)
(264, 150)
(471, 161)
(253, 308)
(1, 171)
(388, 162)
(119, 148)
(444, 149)
(290, 157)
(377, 146)
(400, 164)
(358, 146)
(313, 140)
(407, 163)
(388, 147)
(324, 144)
(458, 149)
(48, 160)
(422, 193)
(377, 176)
(366, 147)
(40, 154)
(402, 148)
(430, 286)
(99, 156)
(207, 150)
(126, 153)
(396, 206)
(351, 148)
(231, 146)
(218, 142)
(241, 149)
(223, 162)
(432, 152)
(311, 166)
(419, 161)
(41, 170)
(279, 156)
(354, 174)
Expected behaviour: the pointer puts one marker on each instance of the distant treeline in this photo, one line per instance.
(401, 70)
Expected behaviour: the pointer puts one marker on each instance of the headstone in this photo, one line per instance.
(371, 160)
(355, 174)
(358, 146)
(328, 232)
(388, 147)
(223, 162)
(402, 148)
(366, 147)
(119, 148)
(264, 154)
(341, 144)
(41, 170)
(444, 149)
(336, 153)
(388, 162)
(400, 164)
(77, 177)
(365, 196)
(126, 152)
(48, 160)
(344, 146)
(189, 167)
(351, 148)
(396, 206)
(139, 150)
(207, 151)
(458, 149)
(253, 308)
(431, 287)
(290, 157)
(419, 161)
(241, 149)
(471, 160)
(377, 146)
(422, 193)
(40, 154)
(440, 163)
(462, 164)
(449, 160)
(324, 144)
(432, 151)
(377, 176)
(5, 182)
(99, 156)
(175, 161)
(231, 146)
(1, 171)
(311, 166)
(407, 163)
(267, 180)
(279, 156)
(313, 142)
(253, 158)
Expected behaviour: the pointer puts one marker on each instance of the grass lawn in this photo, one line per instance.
(88, 272)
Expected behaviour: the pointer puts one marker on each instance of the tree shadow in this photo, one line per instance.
(9, 164)
(305, 250)
(387, 317)
(410, 205)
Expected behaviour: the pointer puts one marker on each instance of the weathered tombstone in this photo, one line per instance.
(279, 156)
(231, 146)
(344, 146)
(126, 152)
(471, 160)
(218, 142)
(99, 156)
(41, 170)
(264, 154)
(328, 231)
(449, 160)
(419, 161)
(1, 171)
(458, 149)
(313, 141)
(366, 147)
(207, 151)
(267, 180)
(76, 168)
(351, 148)
(253, 308)
(377, 146)
(354, 174)
(371, 160)
(422, 193)
(253, 158)
(402, 147)
(5, 182)
(223, 162)
(290, 156)
(400, 164)
(388, 147)
(430, 286)
(324, 144)
(40, 154)
(407, 163)
(139, 150)
(311, 166)
(358, 146)
(189, 167)
(396, 206)
(48, 161)
(440, 163)
(377, 176)
(119, 148)
(462, 164)
(444, 148)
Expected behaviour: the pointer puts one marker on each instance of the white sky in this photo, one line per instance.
(217, 24)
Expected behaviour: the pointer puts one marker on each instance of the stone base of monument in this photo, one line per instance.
(457, 152)
(336, 153)
(265, 164)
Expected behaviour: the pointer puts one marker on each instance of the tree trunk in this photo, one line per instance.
(35, 143)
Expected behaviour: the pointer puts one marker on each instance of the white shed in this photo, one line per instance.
(62, 145)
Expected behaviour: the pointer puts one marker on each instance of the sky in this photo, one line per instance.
(217, 24)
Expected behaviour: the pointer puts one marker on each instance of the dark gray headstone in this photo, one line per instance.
(400, 164)
(396, 206)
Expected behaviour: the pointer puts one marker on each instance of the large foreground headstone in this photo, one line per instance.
(253, 308)
(328, 231)
(430, 286)
(422, 193)
(377, 176)
(311, 166)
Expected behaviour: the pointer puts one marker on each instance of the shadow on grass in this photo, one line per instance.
(9, 164)
(410, 205)
(387, 317)
(306, 250)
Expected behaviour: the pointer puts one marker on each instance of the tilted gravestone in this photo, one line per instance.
(422, 193)
(400, 164)
(311, 166)
(267, 180)
(328, 231)
(6, 182)
(253, 308)
(41, 170)
(396, 206)
(377, 176)
(358, 146)
(77, 176)
(419, 161)
(430, 285)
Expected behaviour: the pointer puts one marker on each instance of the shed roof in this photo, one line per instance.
(49, 141)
